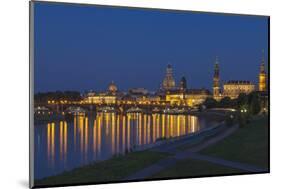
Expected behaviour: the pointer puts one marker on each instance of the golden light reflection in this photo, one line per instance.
(192, 124)
(65, 141)
(178, 126)
(123, 133)
(153, 127)
(113, 133)
(144, 129)
(163, 125)
(61, 140)
(95, 138)
(74, 130)
(99, 137)
(48, 140)
(128, 131)
(81, 132)
(148, 129)
(139, 129)
(117, 132)
(51, 143)
(86, 137)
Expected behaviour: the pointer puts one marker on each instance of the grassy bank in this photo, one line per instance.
(248, 144)
(193, 168)
(110, 170)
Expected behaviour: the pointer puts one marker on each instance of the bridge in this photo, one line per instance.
(61, 107)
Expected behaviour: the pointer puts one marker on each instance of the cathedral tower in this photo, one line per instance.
(168, 82)
(216, 81)
(262, 75)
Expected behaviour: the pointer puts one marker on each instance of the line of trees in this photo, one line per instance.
(250, 102)
(57, 96)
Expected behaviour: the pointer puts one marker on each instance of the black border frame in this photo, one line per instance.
(31, 92)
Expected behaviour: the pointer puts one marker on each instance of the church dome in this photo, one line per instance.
(112, 87)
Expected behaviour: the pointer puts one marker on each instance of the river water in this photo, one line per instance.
(64, 145)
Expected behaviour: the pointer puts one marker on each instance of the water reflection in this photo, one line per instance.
(64, 145)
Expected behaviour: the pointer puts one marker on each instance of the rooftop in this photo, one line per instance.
(238, 82)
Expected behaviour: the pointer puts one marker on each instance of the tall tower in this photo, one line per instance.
(183, 85)
(216, 80)
(262, 75)
(169, 82)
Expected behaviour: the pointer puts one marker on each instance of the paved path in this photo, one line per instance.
(191, 153)
(232, 164)
(199, 145)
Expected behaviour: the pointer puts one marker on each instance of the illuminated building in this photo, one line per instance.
(109, 97)
(216, 81)
(148, 99)
(169, 82)
(262, 76)
(180, 95)
(232, 89)
(176, 97)
(196, 97)
(190, 97)
(100, 98)
(112, 88)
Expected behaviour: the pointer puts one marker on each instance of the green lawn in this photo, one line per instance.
(193, 168)
(110, 170)
(247, 145)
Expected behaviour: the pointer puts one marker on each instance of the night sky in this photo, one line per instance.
(82, 48)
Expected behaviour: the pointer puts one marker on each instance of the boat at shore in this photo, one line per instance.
(75, 110)
(106, 109)
(135, 110)
(175, 111)
(156, 110)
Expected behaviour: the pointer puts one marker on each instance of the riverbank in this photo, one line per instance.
(243, 152)
(231, 150)
(120, 167)
(105, 171)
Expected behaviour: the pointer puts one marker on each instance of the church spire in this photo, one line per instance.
(262, 74)
(262, 67)
(216, 80)
(216, 73)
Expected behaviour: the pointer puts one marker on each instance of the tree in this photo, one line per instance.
(210, 102)
(242, 100)
(254, 103)
(226, 102)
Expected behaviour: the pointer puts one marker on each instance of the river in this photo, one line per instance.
(63, 145)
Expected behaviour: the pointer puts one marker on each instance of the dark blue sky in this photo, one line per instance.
(86, 47)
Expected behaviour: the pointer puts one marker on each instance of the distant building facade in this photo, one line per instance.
(233, 88)
(172, 94)
(190, 97)
(108, 97)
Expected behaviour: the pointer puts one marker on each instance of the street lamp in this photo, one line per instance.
(244, 110)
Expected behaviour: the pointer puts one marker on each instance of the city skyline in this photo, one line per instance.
(90, 56)
(131, 94)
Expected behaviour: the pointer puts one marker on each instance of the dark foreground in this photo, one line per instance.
(244, 150)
